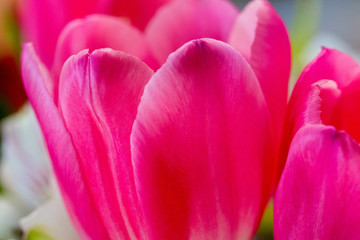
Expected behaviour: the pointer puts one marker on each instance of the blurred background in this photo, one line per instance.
(311, 24)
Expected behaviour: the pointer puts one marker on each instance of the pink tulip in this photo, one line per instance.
(97, 31)
(319, 192)
(186, 153)
(42, 21)
(257, 32)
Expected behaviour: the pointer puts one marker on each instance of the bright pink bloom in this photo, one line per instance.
(94, 32)
(191, 156)
(257, 32)
(260, 27)
(178, 166)
(319, 193)
(91, 156)
(42, 21)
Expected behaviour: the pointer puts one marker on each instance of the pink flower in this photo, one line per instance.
(161, 37)
(186, 153)
(319, 193)
(257, 32)
(42, 21)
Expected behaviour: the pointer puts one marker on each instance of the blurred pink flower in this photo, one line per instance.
(42, 21)
(191, 156)
(178, 165)
(257, 32)
(172, 26)
(319, 192)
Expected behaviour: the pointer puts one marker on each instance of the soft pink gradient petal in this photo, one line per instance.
(346, 115)
(184, 20)
(319, 193)
(330, 64)
(99, 31)
(260, 35)
(99, 95)
(313, 105)
(139, 12)
(202, 146)
(63, 155)
(42, 21)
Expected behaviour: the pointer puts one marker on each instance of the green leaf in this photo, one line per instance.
(38, 234)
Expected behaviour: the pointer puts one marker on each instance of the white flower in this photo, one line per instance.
(28, 181)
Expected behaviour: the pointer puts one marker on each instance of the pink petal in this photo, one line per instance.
(63, 155)
(201, 146)
(139, 12)
(346, 115)
(42, 21)
(99, 31)
(319, 193)
(185, 20)
(261, 37)
(316, 102)
(329, 64)
(99, 95)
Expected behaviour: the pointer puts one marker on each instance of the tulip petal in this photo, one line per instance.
(330, 64)
(99, 95)
(346, 115)
(99, 31)
(42, 21)
(63, 155)
(139, 12)
(181, 21)
(260, 35)
(202, 146)
(319, 193)
(315, 105)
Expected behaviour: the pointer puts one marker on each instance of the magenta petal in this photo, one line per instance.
(63, 155)
(184, 20)
(329, 64)
(319, 193)
(139, 12)
(261, 37)
(98, 31)
(42, 21)
(99, 95)
(346, 115)
(201, 146)
(313, 104)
